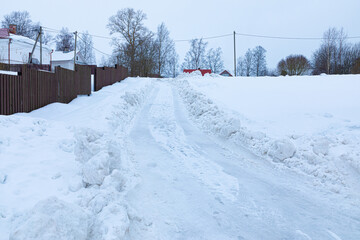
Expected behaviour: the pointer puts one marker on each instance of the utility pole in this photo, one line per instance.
(75, 50)
(234, 54)
(9, 52)
(40, 45)
(32, 52)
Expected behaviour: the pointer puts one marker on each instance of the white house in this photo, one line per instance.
(66, 59)
(18, 48)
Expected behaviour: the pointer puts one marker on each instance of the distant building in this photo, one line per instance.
(4, 33)
(66, 60)
(226, 73)
(203, 71)
(18, 49)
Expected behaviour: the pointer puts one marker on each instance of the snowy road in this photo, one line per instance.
(135, 161)
(197, 187)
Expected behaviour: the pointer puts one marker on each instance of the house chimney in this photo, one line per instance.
(12, 28)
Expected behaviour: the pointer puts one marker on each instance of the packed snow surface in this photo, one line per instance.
(187, 158)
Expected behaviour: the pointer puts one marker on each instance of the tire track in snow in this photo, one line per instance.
(167, 132)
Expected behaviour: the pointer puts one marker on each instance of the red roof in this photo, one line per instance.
(203, 71)
(4, 33)
(226, 73)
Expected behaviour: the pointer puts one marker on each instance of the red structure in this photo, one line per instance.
(203, 71)
(4, 33)
(226, 73)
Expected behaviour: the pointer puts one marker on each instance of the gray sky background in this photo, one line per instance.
(188, 19)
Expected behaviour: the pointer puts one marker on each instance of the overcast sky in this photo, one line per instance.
(189, 19)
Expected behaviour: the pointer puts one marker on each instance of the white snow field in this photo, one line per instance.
(187, 158)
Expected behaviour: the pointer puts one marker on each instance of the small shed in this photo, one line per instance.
(66, 59)
(226, 73)
(203, 71)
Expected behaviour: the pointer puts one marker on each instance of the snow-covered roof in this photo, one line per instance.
(20, 48)
(225, 72)
(68, 56)
(26, 40)
(61, 56)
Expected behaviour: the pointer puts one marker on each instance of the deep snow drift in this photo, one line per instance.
(311, 124)
(187, 158)
(63, 155)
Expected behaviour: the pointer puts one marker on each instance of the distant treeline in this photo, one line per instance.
(146, 53)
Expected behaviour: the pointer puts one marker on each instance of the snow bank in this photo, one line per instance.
(282, 149)
(326, 156)
(107, 171)
(8, 73)
(52, 219)
(78, 153)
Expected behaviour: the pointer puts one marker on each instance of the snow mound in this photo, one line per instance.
(126, 109)
(282, 149)
(96, 169)
(52, 219)
(87, 144)
(301, 153)
(321, 146)
(115, 221)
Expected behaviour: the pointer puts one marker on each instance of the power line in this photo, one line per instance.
(222, 36)
(286, 38)
(96, 48)
(205, 38)
(93, 35)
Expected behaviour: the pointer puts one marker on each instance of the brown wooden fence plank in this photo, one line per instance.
(33, 89)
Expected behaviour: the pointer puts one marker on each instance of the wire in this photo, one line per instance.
(285, 38)
(225, 35)
(96, 48)
(97, 36)
(205, 38)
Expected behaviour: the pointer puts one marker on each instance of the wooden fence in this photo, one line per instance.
(105, 76)
(18, 67)
(32, 89)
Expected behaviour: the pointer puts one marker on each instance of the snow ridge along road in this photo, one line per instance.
(330, 157)
(134, 162)
(195, 186)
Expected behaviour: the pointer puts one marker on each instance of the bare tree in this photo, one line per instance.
(65, 40)
(335, 55)
(164, 48)
(240, 68)
(352, 59)
(86, 48)
(146, 60)
(248, 61)
(294, 65)
(355, 69)
(213, 60)
(195, 57)
(259, 60)
(129, 24)
(24, 25)
(47, 38)
(329, 42)
(172, 69)
(342, 47)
